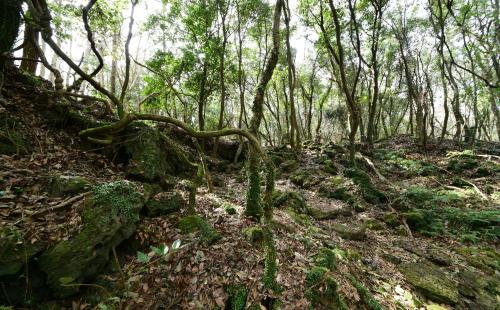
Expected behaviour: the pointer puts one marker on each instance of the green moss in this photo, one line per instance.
(270, 262)
(321, 289)
(194, 223)
(291, 199)
(392, 219)
(374, 224)
(369, 192)
(12, 139)
(229, 208)
(254, 203)
(60, 185)
(118, 198)
(326, 258)
(166, 203)
(329, 167)
(486, 259)
(254, 234)
(370, 302)
(109, 218)
(431, 281)
(237, 297)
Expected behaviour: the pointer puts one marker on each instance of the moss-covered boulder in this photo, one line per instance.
(164, 203)
(12, 139)
(481, 290)
(432, 282)
(368, 191)
(109, 218)
(254, 234)
(350, 232)
(329, 167)
(194, 223)
(15, 252)
(66, 185)
(149, 155)
(290, 199)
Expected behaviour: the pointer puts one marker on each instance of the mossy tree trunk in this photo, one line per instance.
(10, 20)
(253, 207)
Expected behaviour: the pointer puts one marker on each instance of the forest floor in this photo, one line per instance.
(405, 229)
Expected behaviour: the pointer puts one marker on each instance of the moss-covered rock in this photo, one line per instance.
(481, 290)
(149, 155)
(66, 185)
(237, 297)
(374, 224)
(391, 219)
(431, 281)
(329, 167)
(109, 218)
(164, 203)
(288, 165)
(368, 191)
(350, 232)
(15, 252)
(291, 199)
(366, 296)
(195, 223)
(485, 259)
(254, 234)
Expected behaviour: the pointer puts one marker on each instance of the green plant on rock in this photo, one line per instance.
(118, 198)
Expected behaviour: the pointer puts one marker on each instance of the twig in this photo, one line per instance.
(60, 206)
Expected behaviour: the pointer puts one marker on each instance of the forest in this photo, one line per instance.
(249, 154)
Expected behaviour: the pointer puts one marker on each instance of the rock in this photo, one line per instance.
(369, 192)
(194, 223)
(431, 281)
(438, 256)
(14, 251)
(164, 203)
(67, 185)
(291, 200)
(149, 155)
(254, 234)
(350, 233)
(329, 167)
(288, 165)
(478, 289)
(109, 218)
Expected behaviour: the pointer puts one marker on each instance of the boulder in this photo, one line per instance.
(194, 223)
(15, 252)
(431, 281)
(109, 218)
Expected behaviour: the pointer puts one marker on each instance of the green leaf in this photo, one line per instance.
(142, 257)
(66, 280)
(176, 244)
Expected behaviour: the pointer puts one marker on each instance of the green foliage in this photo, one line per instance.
(370, 302)
(326, 258)
(270, 262)
(194, 223)
(118, 198)
(468, 225)
(237, 297)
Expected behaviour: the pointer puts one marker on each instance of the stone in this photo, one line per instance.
(431, 281)
(15, 252)
(438, 256)
(254, 234)
(109, 218)
(164, 203)
(349, 232)
(67, 185)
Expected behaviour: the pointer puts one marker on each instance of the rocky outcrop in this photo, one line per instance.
(109, 218)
